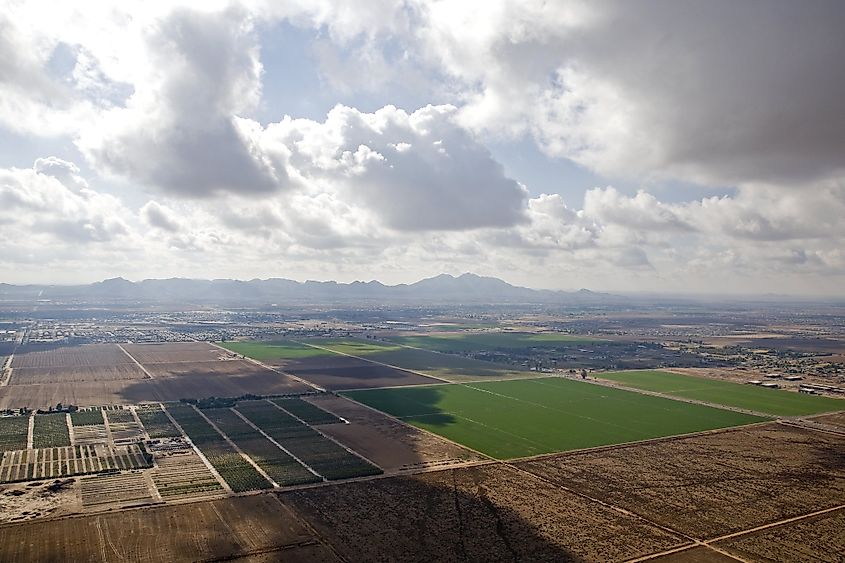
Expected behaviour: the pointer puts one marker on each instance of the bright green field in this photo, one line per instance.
(473, 342)
(444, 366)
(751, 397)
(508, 419)
(269, 351)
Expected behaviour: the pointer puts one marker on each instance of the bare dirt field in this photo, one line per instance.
(174, 381)
(83, 393)
(168, 352)
(836, 419)
(117, 372)
(254, 526)
(714, 484)
(820, 538)
(484, 513)
(343, 372)
(25, 501)
(392, 445)
(114, 490)
(81, 356)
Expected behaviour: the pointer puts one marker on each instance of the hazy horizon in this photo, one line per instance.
(677, 148)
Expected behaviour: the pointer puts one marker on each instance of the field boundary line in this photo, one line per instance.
(201, 455)
(107, 424)
(137, 363)
(307, 525)
(327, 437)
(134, 411)
(271, 368)
(70, 437)
(621, 445)
(614, 385)
(277, 444)
(775, 524)
(815, 427)
(606, 504)
(376, 362)
(237, 448)
(438, 436)
(30, 430)
(683, 548)
(709, 542)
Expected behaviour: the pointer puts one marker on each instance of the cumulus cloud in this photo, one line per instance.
(714, 92)
(417, 171)
(35, 203)
(180, 131)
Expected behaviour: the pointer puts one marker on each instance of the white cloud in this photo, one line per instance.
(416, 171)
(35, 203)
(179, 130)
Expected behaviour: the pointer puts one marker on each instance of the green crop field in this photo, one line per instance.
(474, 342)
(508, 419)
(751, 397)
(269, 351)
(13, 433)
(444, 366)
(50, 430)
(87, 417)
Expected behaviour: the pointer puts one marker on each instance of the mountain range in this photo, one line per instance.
(466, 288)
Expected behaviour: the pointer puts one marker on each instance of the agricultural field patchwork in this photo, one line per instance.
(115, 489)
(278, 464)
(180, 473)
(321, 454)
(271, 352)
(307, 412)
(476, 342)
(712, 484)
(508, 419)
(442, 366)
(156, 422)
(394, 446)
(235, 470)
(750, 397)
(52, 463)
(486, 513)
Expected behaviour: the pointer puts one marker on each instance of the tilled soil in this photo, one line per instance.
(484, 513)
(710, 485)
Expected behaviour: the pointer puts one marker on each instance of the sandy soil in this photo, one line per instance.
(26, 501)
(485, 513)
(86, 355)
(117, 372)
(168, 352)
(220, 529)
(713, 484)
(821, 538)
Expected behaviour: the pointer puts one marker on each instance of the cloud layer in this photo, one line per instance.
(162, 101)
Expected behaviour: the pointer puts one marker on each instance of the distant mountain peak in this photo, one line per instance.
(443, 288)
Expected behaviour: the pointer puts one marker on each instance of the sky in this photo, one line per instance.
(631, 146)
